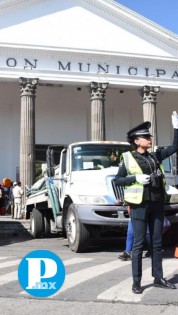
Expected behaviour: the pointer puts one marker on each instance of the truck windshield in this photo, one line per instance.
(97, 156)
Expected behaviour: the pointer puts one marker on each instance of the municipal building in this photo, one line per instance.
(77, 70)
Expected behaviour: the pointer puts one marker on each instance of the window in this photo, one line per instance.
(96, 156)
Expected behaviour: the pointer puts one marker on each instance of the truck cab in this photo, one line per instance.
(86, 191)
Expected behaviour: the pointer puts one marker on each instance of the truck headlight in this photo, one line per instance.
(93, 199)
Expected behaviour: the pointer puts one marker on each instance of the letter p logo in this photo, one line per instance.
(41, 273)
(35, 269)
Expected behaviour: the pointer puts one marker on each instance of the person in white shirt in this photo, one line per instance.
(17, 193)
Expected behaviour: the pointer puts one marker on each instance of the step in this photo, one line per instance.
(14, 227)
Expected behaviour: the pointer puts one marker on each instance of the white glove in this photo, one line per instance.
(175, 120)
(143, 179)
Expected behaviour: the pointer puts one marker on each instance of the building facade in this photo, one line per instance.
(79, 70)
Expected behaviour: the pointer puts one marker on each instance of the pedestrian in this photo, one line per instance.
(2, 201)
(127, 254)
(11, 200)
(7, 184)
(142, 175)
(17, 193)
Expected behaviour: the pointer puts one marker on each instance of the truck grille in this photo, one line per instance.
(107, 214)
(118, 191)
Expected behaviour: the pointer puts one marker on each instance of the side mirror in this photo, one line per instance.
(50, 162)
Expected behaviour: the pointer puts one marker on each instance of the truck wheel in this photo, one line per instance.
(47, 226)
(77, 233)
(36, 223)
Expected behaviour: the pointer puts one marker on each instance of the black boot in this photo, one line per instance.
(162, 283)
(125, 256)
(136, 287)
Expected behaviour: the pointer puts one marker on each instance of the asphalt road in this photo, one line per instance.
(96, 282)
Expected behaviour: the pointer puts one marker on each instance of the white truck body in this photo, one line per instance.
(78, 197)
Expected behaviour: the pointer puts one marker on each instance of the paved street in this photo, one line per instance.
(92, 279)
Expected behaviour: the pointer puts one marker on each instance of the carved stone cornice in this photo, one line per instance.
(149, 93)
(29, 51)
(118, 66)
(28, 86)
(97, 90)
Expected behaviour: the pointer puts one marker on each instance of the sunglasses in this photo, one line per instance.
(145, 137)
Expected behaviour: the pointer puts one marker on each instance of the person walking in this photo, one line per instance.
(17, 193)
(127, 254)
(142, 175)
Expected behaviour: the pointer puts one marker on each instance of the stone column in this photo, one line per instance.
(98, 111)
(149, 94)
(27, 131)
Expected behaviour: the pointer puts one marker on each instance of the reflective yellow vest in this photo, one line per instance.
(133, 193)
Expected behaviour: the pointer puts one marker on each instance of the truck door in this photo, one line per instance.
(63, 173)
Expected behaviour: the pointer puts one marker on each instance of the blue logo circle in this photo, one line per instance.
(41, 273)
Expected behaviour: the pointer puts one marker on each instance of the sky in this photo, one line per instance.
(162, 12)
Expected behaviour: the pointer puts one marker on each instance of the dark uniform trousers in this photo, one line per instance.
(151, 214)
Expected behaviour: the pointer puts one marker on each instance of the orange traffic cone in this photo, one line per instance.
(176, 252)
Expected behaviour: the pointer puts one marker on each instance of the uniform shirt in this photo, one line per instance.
(148, 164)
(17, 193)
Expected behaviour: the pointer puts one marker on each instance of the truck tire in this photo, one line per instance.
(77, 233)
(47, 225)
(36, 223)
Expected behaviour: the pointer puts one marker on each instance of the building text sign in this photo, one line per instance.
(80, 67)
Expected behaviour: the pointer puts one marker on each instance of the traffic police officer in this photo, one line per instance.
(142, 175)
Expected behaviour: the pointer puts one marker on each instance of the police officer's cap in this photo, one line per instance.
(140, 130)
